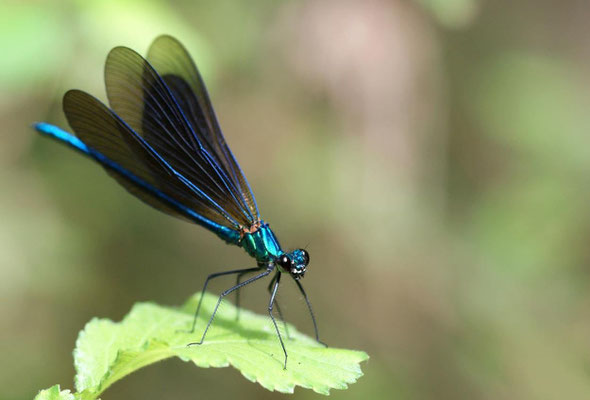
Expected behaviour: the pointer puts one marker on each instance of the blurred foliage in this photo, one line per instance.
(54, 393)
(431, 155)
(452, 13)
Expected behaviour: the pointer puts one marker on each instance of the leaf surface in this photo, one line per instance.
(107, 351)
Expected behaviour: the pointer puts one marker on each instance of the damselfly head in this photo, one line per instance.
(294, 263)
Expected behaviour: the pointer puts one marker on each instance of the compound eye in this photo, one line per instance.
(284, 262)
(305, 255)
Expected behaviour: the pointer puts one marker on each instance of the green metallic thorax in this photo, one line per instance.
(262, 244)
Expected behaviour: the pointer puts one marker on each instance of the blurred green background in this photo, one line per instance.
(433, 156)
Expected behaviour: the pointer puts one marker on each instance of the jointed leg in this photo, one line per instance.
(269, 288)
(270, 305)
(212, 276)
(315, 326)
(228, 291)
(238, 279)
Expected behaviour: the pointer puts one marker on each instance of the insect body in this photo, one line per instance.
(161, 141)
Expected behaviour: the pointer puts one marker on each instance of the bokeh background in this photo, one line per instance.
(433, 156)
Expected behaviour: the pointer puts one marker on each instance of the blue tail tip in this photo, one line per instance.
(40, 126)
(47, 128)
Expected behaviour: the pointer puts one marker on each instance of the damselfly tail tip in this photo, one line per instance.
(41, 127)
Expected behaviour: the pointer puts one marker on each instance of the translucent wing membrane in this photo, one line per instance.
(151, 108)
(97, 127)
(162, 129)
(104, 132)
(180, 73)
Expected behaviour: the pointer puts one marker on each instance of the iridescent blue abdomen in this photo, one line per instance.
(262, 244)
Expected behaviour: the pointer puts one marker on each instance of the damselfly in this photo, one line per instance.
(160, 139)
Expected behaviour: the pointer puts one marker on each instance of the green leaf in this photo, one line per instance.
(107, 351)
(53, 393)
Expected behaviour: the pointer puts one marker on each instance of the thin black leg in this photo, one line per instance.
(238, 279)
(228, 291)
(212, 276)
(269, 288)
(315, 326)
(270, 306)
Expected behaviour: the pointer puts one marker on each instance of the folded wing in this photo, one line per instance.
(106, 133)
(170, 117)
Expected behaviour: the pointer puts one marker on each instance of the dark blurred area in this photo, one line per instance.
(432, 156)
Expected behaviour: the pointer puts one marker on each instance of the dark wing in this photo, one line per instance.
(180, 73)
(145, 102)
(104, 132)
